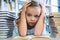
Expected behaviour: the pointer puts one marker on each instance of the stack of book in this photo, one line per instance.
(7, 15)
(55, 20)
(6, 24)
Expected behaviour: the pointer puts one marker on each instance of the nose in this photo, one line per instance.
(32, 18)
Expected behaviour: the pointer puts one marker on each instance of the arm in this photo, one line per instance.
(22, 23)
(40, 25)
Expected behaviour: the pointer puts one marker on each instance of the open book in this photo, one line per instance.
(31, 37)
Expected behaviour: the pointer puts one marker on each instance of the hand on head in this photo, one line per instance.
(42, 9)
(25, 6)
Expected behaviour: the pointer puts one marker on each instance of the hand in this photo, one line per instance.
(42, 9)
(25, 6)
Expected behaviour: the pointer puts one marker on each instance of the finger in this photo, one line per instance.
(42, 5)
(27, 3)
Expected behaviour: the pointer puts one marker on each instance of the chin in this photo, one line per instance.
(31, 25)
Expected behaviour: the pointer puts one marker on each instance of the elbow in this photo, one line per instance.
(23, 35)
(37, 34)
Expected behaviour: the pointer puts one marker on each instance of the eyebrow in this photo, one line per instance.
(28, 14)
(31, 14)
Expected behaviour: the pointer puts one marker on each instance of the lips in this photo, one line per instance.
(31, 22)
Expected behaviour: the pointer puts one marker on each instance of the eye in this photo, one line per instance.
(29, 14)
(37, 16)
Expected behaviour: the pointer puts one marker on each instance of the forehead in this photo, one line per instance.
(35, 10)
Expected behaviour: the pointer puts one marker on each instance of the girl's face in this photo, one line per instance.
(32, 15)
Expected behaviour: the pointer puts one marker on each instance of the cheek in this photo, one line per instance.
(27, 18)
(36, 19)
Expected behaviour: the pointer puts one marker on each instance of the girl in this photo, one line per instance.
(31, 19)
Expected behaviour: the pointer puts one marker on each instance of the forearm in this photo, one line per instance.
(22, 25)
(39, 27)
